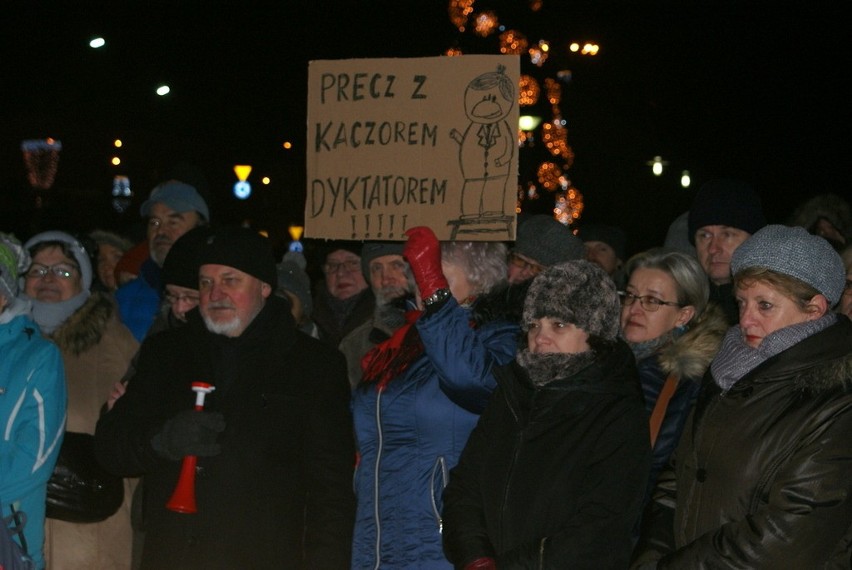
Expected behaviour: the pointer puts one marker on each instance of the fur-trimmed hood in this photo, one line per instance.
(825, 377)
(86, 326)
(689, 356)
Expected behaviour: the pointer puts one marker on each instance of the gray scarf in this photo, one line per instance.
(736, 359)
(49, 316)
(549, 367)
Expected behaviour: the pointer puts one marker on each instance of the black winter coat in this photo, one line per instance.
(762, 477)
(279, 495)
(553, 477)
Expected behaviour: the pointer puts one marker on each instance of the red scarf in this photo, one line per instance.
(391, 358)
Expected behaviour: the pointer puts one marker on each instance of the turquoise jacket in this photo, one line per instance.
(32, 412)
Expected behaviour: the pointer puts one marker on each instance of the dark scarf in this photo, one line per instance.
(391, 358)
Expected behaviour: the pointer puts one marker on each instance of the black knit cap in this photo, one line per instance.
(547, 241)
(181, 264)
(613, 236)
(243, 249)
(373, 249)
(724, 202)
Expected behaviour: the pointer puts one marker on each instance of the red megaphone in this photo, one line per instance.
(183, 498)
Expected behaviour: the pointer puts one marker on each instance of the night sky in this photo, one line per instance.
(722, 89)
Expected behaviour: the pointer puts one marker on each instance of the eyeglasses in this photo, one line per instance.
(348, 266)
(648, 302)
(60, 270)
(522, 264)
(171, 298)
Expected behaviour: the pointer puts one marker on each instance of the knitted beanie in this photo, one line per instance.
(77, 250)
(794, 252)
(14, 260)
(577, 292)
(374, 249)
(613, 236)
(292, 278)
(181, 264)
(547, 241)
(243, 249)
(723, 202)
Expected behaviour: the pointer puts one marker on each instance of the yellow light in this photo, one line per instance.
(574, 47)
(118, 143)
(685, 180)
(115, 161)
(528, 122)
(288, 145)
(264, 233)
(296, 232)
(242, 171)
(265, 180)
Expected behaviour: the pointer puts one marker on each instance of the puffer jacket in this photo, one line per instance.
(411, 434)
(553, 476)
(763, 473)
(32, 408)
(687, 358)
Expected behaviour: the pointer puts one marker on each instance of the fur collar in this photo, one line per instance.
(690, 354)
(86, 326)
(827, 376)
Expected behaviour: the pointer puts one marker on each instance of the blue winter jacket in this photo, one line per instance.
(32, 412)
(139, 300)
(411, 434)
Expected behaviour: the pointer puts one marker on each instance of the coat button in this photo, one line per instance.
(701, 475)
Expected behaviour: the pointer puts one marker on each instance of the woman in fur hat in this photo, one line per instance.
(96, 350)
(762, 477)
(674, 334)
(554, 474)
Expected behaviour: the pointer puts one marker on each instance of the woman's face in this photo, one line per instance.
(460, 285)
(764, 310)
(548, 335)
(846, 299)
(51, 287)
(638, 324)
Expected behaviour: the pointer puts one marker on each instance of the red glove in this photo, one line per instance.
(481, 564)
(423, 253)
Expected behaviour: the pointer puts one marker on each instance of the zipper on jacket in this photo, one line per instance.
(379, 446)
(541, 553)
(441, 463)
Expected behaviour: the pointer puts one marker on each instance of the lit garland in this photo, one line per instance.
(549, 175)
(41, 158)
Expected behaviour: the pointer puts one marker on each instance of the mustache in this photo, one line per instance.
(220, 305)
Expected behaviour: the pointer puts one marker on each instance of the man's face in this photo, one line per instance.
(522, 268)
(230, 299)
(602, 253)
(165, 226)
(108, 257)
(714, 246)
(181, 300)
(343, 276)
(389, 278)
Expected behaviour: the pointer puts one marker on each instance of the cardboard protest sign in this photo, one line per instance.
(398, 143)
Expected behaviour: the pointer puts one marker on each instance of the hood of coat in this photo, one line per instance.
(689, 356)
(86, 326)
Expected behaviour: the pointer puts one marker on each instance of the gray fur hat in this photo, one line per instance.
(547, 241)
(578, 292)
(794, 252)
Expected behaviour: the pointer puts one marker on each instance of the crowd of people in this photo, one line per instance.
(552, 401)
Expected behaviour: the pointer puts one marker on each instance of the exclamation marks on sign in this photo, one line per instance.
(381, 219)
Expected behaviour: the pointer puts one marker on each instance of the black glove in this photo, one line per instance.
(190, 432)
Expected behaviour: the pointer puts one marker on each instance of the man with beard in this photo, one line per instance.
(274, 443)
(172, 209)
(393, 286)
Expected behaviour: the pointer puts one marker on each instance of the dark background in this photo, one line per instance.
(739, 89)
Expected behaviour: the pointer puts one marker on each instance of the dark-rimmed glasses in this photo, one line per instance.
(648, 302)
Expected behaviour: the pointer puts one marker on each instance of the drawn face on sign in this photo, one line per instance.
(489, 98)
